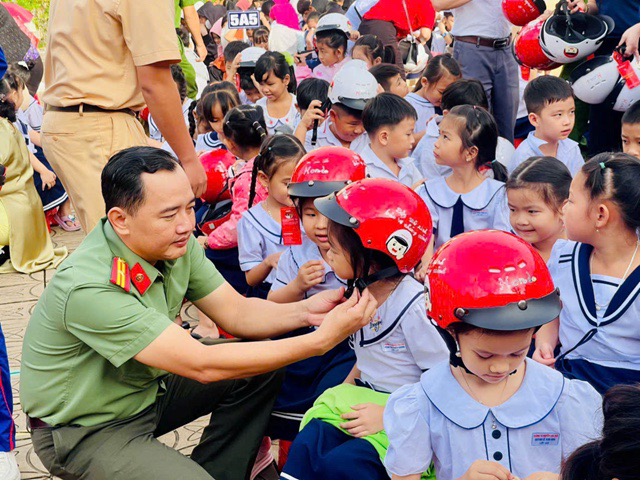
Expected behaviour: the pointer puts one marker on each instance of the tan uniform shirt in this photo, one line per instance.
(95, 46)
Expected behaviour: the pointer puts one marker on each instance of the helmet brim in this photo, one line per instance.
(515, 316)
(589, 66)
(356, 104)
(316, 188)
(333, 26)
(330, 208)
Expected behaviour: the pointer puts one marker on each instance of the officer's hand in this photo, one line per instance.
(201, 51)
(576, 6)
(482, 469)
(196, 175)
(344, 319)
(366, 419)
(630, 39)
(310, 274)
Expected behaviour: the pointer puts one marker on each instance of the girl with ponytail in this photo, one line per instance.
(260, 239)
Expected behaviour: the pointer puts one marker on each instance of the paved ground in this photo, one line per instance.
(18, 296)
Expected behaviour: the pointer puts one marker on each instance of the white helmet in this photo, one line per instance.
(334, 21)
(250, 56)
(622, 97)
(566, 37)
(353, 85)
(593, 80)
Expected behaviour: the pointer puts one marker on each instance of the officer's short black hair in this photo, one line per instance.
(545, 90)
(386, 109)
(121, 178)
(631, 116)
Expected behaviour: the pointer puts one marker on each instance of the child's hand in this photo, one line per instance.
(366, 419)
(312, 113)
(353, 35)
(310, 274)
(482, 469)
(421, 272)
(543, 475)
(48, 179)
(544, 353)
(272, 259)
(202, 240)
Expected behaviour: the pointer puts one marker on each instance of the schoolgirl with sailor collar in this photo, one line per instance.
(599, 324)
(290, 120)
(485, 207)
(436, 420)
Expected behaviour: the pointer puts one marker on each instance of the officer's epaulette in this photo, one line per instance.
(122, 276)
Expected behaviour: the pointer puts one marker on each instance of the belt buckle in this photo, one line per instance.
(501, 42)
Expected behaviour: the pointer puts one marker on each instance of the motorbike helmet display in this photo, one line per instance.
(521, 12)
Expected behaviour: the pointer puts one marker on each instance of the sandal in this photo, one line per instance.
(63, 221)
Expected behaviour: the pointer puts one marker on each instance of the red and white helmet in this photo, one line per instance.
(216, 164)
(567, 37)
(527, 49)
(622, 97)
(215, 215)
(490, 279)
(387, 216)
(326, 170)
(520, 12)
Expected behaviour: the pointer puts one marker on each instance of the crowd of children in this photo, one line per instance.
(506, 276)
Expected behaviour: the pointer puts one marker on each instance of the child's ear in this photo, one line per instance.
(286, 79)
(424, 82)
(383, 136)
(263, 179)
(534, 119)
(471, 153)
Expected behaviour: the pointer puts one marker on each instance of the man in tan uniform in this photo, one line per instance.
(104, 61)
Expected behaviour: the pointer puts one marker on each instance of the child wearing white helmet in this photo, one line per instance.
(332, 32)
(343, 125)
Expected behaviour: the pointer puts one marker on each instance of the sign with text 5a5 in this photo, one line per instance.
(240, 19)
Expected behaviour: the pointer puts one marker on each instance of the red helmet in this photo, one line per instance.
(215, 216)
(492, 280)
(527, 48)
(324, 171)
(216, 164)
(387, 216)
(520, 12)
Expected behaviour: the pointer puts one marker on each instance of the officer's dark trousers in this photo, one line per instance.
(128, 448)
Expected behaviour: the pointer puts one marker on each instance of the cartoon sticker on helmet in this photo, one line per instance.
(399, 243)
(571, 52)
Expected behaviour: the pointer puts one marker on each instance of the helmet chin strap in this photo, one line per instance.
(455, 356)
(362, 283)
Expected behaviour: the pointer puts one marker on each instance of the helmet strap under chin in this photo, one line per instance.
(361, 283)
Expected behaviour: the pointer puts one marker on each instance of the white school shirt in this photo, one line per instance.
(424, 152)
(33, 115)
(376, 168)
(399, 343)
(258, 236)
(542, 423)
(325, 137)
(154, 131)
(616, 342)
(424, 109)
(567, 152)
(485, 207)
(292, 260)
(208, 142)
(290, 120)
(482, 18)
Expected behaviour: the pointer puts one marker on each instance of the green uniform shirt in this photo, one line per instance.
(179, 5)
(77, 356)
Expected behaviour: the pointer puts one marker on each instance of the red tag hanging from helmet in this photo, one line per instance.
(625, 69)
(290, 226)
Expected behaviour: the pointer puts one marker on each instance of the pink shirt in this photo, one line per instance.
(225, 236)
(327, 73)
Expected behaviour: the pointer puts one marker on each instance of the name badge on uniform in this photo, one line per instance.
(545, 439)
(394, 347)
(480, 213)
(290, 226)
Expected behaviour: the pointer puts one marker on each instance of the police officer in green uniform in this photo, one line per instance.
(105, 370)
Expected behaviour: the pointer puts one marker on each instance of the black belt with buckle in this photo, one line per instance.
(87, 108)
(35, 423)
(495, 43)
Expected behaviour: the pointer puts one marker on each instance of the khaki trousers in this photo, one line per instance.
(78, 145)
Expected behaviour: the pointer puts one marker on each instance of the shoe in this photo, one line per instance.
(9, 466)
(4, 257)
(62, 221)
(264, 466)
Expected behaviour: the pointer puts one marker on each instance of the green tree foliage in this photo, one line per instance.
(40, 10)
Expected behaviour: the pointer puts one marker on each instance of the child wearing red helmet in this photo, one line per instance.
(302, 272)
(378, 231)
(489, 413)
